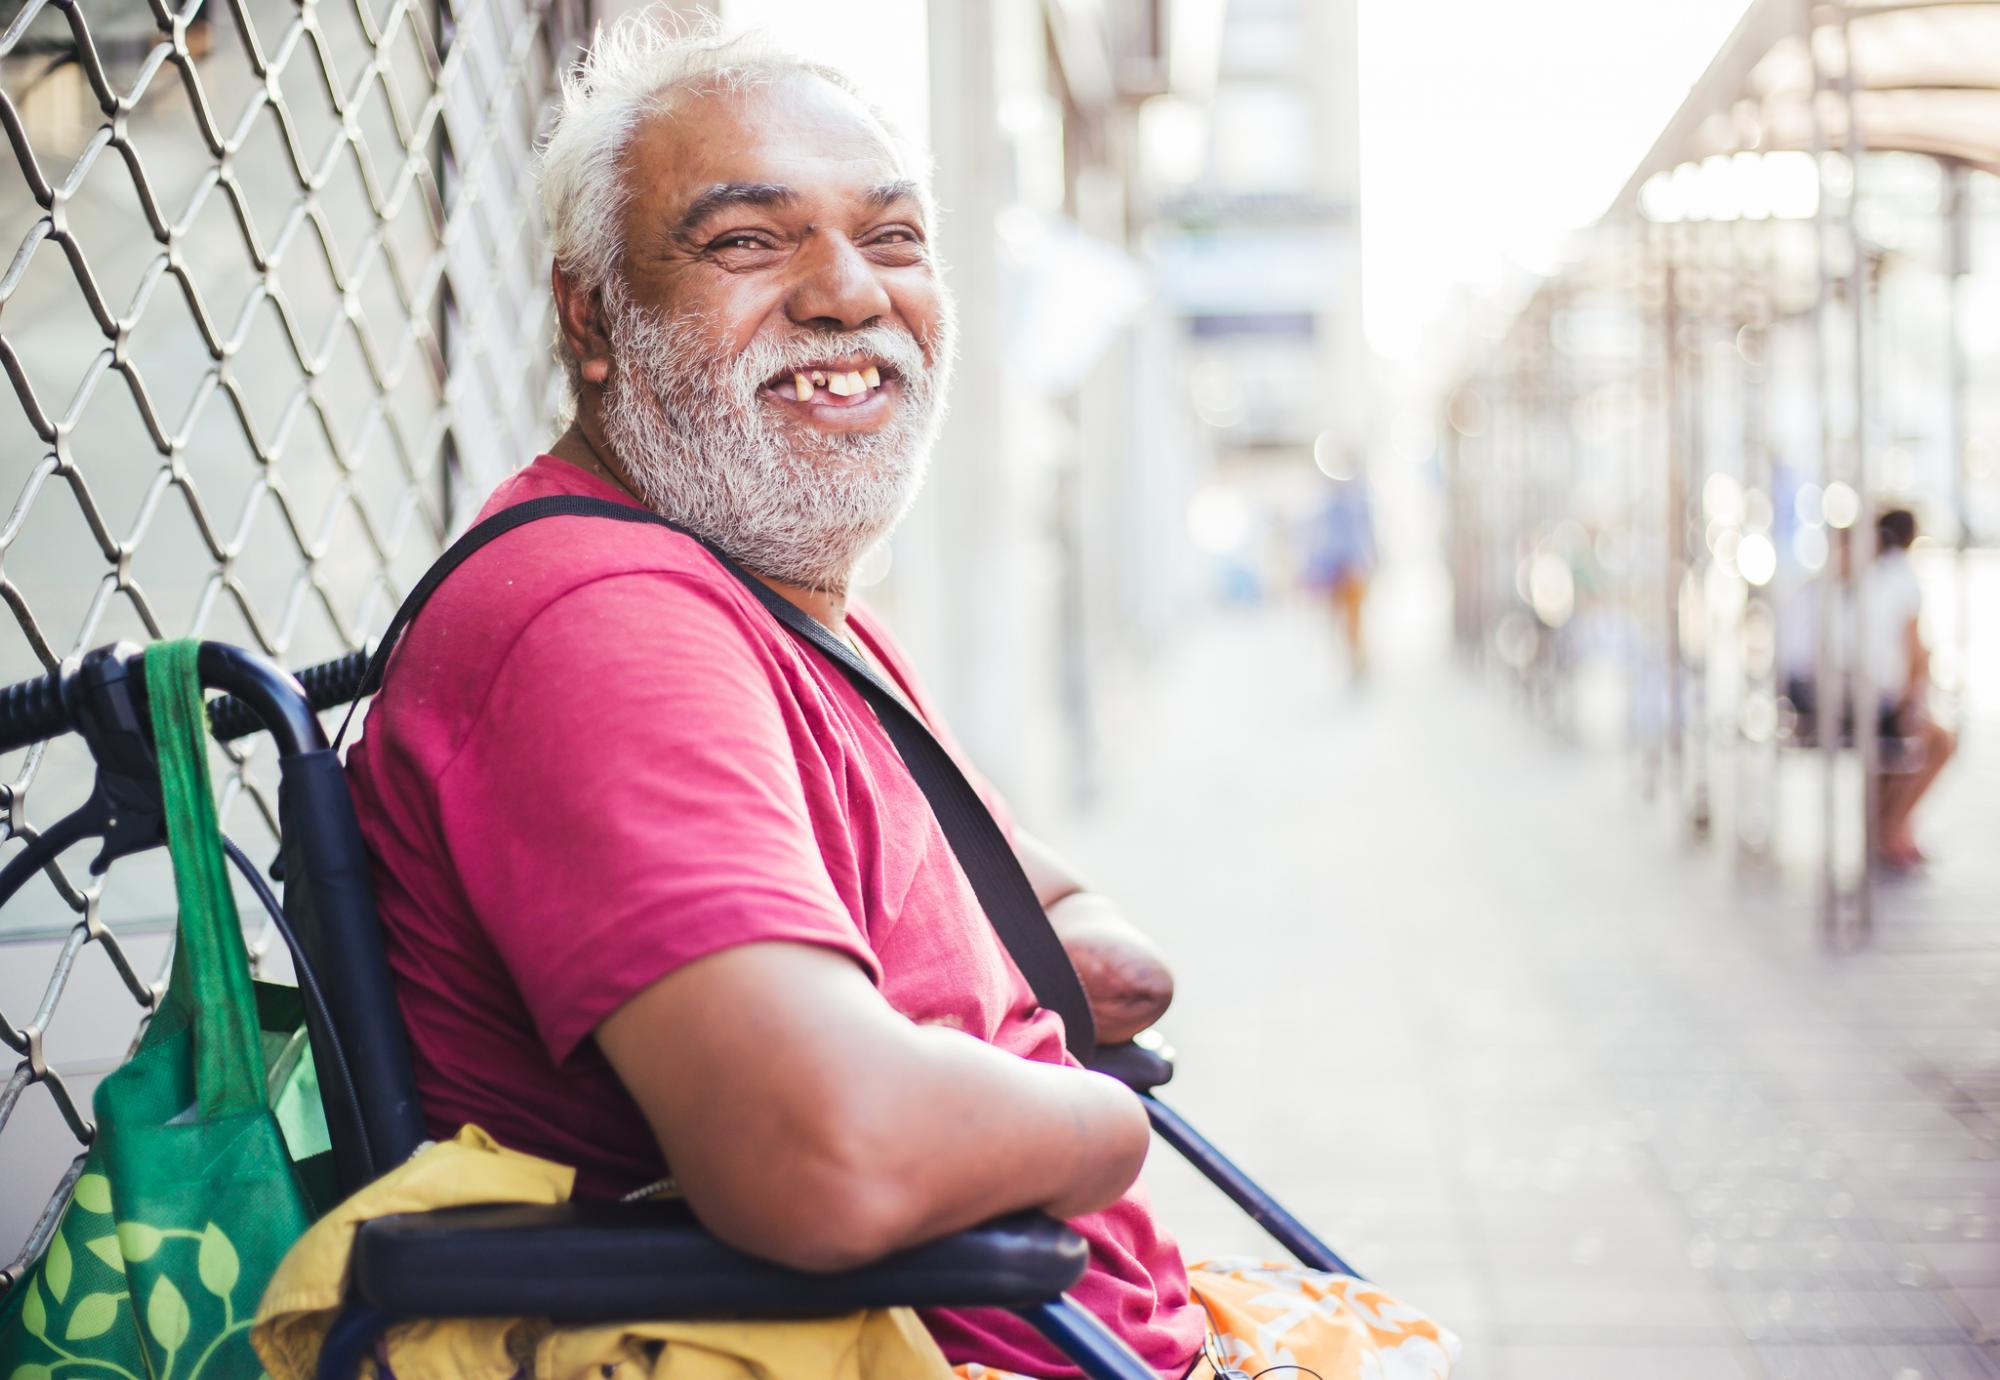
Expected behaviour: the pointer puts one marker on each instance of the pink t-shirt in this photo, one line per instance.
(597, 758)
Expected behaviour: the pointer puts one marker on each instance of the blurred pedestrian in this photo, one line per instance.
(1899, 665)
(1915, 746)
(1340, 559)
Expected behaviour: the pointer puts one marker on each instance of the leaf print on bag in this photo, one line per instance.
(34, 1316)
(31, 1373)
(93, 1193)
(167, 1315)
(137, 1240)
(93, 1317)
(217, 1262)
(57, 1271)
(105, 1248)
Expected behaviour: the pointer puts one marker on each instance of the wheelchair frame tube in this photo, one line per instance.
(275, 698)
(349, 1340)
(1287, 1230)
(1077, 1334)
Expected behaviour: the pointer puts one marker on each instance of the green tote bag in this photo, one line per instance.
(189, 1197)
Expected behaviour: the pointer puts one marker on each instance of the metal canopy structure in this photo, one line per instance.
(1926, 79)
(1764, 335)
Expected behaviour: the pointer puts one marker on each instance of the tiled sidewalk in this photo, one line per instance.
(1533, 1061)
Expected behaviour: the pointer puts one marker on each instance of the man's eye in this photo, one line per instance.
(897, 235)
(739, 241)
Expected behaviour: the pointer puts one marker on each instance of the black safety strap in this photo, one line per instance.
(989, 863)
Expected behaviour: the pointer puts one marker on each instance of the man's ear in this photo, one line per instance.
(580, 317)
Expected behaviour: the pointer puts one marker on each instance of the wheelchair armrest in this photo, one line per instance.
(1141, 1065)
(600, 1262)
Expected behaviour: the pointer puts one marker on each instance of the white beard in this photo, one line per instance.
(705, 450)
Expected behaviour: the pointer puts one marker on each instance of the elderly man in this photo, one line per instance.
(659, 890)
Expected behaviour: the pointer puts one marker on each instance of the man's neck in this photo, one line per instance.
(589, 453)
(826, 607)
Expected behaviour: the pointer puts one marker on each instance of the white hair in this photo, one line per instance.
(634, 68)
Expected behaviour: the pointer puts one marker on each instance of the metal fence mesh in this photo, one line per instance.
(275, 308)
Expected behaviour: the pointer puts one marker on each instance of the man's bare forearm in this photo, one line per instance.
(983, 1132)
(810, 1123)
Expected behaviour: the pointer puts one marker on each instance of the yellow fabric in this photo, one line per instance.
(307, 1290)
(1334, 1326)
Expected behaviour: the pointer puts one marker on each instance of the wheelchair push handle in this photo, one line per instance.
(31, 711)
(261, 695)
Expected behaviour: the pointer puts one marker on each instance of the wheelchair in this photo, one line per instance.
(578, 1262)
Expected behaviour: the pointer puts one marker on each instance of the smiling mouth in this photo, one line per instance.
(836, 383)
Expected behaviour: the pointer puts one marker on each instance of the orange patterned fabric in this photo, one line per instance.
(1333, 1326)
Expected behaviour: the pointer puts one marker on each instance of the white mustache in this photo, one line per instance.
(894, 346)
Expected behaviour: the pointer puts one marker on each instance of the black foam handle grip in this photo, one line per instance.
(32, 710)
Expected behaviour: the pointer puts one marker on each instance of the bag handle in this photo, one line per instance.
(987, 859)
(211, 971)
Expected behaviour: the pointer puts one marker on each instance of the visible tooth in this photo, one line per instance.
(819, 378)
(872, 376)
(855, 383)
(842, 385)
(803, 387)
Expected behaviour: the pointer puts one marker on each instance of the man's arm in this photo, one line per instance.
(810, 1123)
(1917, 660)
(1124, 975)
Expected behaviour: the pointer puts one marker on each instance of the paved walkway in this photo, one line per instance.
(1532, 1062)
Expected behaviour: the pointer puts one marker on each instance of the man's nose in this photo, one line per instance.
(837, 288)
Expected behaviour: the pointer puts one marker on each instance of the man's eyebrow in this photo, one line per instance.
(887, 194)
(726, 194)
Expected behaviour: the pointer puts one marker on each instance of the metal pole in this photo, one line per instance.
(1695, 452)
(1958, 265)
(1656, 367)
(1865, 692)
(1673, 519)
(1757, 770)
(1827, 684)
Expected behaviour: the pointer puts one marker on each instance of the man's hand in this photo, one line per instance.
(1126, 979)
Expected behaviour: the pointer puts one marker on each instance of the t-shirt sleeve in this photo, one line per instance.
(623, 806)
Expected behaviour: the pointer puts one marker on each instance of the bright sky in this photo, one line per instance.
(1488, 131)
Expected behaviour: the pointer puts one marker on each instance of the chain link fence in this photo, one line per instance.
(275, 311)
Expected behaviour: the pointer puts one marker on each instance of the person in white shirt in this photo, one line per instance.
(1916, 746)
(1899, 664)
